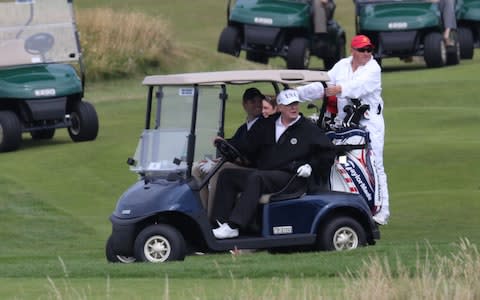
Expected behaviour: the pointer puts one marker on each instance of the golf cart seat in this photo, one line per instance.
(273, 197)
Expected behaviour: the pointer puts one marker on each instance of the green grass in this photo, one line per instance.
(56, 196)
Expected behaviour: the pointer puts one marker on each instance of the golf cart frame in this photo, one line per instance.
(42, 74)
(161, 216)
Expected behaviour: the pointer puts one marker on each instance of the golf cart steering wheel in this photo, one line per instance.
(229, 152)
(39, 43)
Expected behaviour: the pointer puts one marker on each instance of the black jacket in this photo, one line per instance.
(301, 143)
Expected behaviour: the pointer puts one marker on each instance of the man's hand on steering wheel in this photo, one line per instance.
(229, 152)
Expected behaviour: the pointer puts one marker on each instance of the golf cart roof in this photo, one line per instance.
(238, 77)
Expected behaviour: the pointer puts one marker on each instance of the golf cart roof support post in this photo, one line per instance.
(79, 47)
(323, 109)
(158, 107)
(149, 107)
(223, 98)
(191, 136)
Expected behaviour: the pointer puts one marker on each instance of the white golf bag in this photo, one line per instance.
(354, 168)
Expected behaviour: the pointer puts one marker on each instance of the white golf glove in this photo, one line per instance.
(207, 165)
(304, 171)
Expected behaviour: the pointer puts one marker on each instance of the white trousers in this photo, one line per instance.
(375, 126)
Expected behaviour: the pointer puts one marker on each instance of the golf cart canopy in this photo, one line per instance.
(37, 31)
(185, 112)
(238, 77)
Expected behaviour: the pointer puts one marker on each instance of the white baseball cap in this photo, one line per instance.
(287, 97)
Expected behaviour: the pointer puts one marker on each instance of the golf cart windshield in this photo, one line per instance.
(37, 31)
(162, 150)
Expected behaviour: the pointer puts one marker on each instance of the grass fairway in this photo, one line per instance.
(56, 196)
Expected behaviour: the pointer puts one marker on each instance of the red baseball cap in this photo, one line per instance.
(361, 41)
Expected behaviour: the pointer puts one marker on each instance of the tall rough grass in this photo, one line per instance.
(119, 44)
(450, 277)
(453, 277)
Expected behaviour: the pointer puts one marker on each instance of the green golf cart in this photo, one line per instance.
(41, 73)
(269, 28)
(406, 29)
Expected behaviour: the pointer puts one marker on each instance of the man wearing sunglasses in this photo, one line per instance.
(359, 77)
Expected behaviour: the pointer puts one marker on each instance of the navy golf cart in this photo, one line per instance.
(161, 217)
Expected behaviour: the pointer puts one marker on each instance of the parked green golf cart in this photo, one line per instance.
(468, 24)
(268, 28)
(404, 29)
(41, 74)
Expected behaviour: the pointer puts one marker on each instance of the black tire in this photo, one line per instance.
(159, 243)
(10, 131)
(465, 38)
(435, 52)
(453, 54)
(114, 258)
(84, 122)
(338, 54)
(230, 41)
(257, 57)
(341, 233)
(44, 134)
(298, 56)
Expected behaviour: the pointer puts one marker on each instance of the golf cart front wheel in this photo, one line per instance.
(435, 51)
(84, 122)
(298, 56)
(341, 233)
(159, 243)
(113, 257)
(230, 41)
(10, 131)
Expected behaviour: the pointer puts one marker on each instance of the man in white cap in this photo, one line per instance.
(359, 77)
(283, 145)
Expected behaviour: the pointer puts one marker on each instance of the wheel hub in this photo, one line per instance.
(345, 239)
(157, 249)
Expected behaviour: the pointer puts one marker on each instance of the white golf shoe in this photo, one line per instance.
(225, 232)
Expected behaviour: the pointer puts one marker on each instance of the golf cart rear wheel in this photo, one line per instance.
(84, 122)
(257, 57)
(337, 54)
(10, 131)
(113, 257)
(298, 56)
(465, 38)
(341, 233)
(230, 41)
(453, 54)
(44, 134)
(159, 243)
(435, 52)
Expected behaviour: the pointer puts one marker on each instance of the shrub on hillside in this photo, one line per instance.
(118, 44)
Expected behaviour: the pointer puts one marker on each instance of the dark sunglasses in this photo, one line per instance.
(365, 49)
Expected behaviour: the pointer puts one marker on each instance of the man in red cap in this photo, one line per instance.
(359, 77)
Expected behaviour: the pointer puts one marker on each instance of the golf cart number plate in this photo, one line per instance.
(282, 230)
(397, 25)
(45, 92)
(265, 21)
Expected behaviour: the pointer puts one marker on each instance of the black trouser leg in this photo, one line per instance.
(230, 182)
(257, 183)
